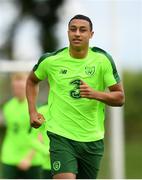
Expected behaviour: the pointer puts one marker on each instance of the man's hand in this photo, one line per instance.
(86, 91)
(115, 96)
(36, 119)
(25, 164)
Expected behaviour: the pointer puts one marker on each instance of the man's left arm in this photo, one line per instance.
(115, 96)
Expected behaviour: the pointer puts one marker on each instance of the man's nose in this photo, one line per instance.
(77, 33)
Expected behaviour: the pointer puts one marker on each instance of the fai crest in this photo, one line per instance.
(56, 165)
(90, 70)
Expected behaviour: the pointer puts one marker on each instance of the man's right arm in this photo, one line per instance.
(32, 87)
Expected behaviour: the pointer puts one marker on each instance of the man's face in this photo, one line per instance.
(79, 33)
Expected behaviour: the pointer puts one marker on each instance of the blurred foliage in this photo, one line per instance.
(133, 89)
(133, 159)
(45, 11)
(133, 104)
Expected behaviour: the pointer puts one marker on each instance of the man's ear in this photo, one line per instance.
(91, 35)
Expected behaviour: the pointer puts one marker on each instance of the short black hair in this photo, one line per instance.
(83, 17)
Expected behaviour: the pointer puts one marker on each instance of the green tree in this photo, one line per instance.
(133, 104)
(45, 11)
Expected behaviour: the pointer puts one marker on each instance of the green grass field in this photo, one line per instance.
(133, 158)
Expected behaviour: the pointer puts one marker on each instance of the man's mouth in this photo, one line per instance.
(76, 40)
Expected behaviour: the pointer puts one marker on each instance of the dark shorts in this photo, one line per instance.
(12, 172)
(80, 158)
(46, 174)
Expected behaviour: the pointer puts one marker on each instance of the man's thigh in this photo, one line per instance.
(62, 154)
(90, 156)
(81, 158)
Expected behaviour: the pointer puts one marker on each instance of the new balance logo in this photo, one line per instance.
(63, 71)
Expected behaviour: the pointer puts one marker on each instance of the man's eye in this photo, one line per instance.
(82, 30)
(73, 30)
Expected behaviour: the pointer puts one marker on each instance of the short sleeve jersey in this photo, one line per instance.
(69, 115)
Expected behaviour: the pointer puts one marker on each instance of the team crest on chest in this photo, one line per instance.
(63, 71)
(90, 70)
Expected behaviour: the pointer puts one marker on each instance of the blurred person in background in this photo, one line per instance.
(43, 147)
(46, 165)
(19, 157)
(78, 77)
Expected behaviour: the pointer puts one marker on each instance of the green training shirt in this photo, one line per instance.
(69, 115)
(18, 141)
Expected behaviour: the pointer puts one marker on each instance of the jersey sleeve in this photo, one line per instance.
(40, 69)
(40, 72)
(111, 75)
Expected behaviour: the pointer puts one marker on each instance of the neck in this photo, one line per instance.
(78, 52)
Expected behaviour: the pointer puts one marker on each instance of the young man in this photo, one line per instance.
(77, 76)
